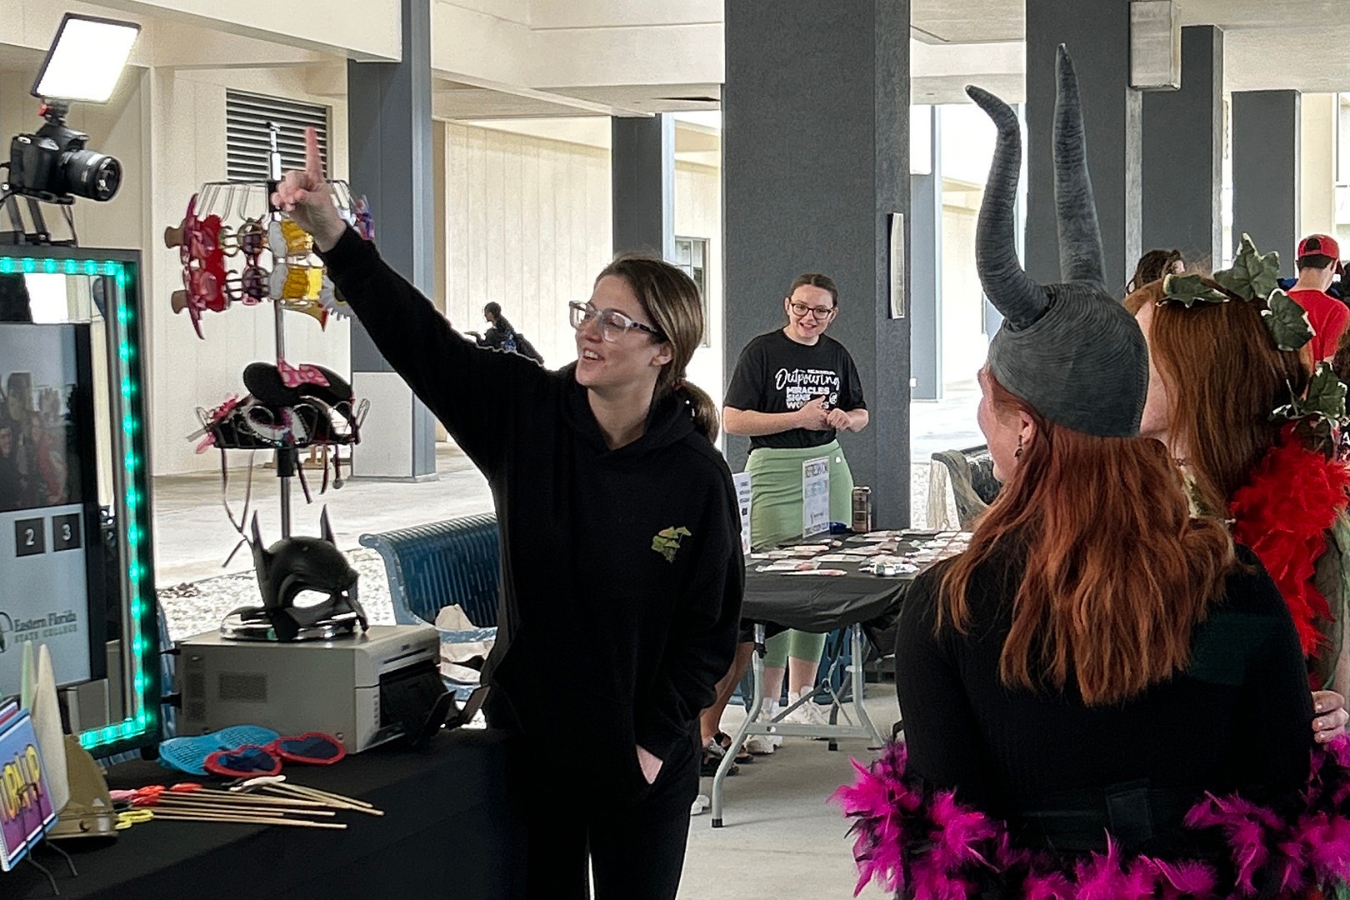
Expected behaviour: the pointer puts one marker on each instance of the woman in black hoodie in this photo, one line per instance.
(621, 563)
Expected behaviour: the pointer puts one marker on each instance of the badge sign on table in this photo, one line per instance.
(25, 805)
(742, 482)
(815, 496)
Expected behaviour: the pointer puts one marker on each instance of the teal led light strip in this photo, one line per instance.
(135, 512)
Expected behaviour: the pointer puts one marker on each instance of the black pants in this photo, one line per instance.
(634, 845)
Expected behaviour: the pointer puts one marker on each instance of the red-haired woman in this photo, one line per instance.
(1217, 376)
(1102, 697)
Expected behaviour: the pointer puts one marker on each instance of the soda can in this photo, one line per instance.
(862, 510)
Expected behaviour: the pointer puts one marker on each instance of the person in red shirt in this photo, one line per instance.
(1319, 262)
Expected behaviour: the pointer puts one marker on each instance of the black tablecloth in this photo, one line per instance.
(446, 833)
(820, 603)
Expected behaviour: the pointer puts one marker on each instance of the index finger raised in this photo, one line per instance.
(313, 161)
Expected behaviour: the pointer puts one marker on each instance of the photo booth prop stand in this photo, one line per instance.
(208, 234)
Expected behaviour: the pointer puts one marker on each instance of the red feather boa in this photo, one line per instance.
(1283, 514)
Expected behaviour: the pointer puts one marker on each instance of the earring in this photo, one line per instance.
(1018, 453)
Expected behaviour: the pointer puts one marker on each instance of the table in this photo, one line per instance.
(446, 833)
(856, 600)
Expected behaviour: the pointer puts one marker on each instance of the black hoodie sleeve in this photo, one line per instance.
(702, 639)
(463, 386)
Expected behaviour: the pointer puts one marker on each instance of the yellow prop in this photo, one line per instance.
(285, 238)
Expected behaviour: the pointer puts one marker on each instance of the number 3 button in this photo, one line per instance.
(30, 537)
(65, 532)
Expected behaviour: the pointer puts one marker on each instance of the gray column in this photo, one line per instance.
(1183, 153)
(1266, 153)
(390, 147)
(642, 174)
(1098, 38)
(925, 339)
(815, 158)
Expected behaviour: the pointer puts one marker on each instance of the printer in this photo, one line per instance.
(363, 689)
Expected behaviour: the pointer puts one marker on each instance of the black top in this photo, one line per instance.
(621, 569)
(498, 334)
(1239, 717)
(775, 374)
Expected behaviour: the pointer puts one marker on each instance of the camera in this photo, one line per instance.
(55, 165)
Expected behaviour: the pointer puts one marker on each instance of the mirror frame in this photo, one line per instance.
(121, 271)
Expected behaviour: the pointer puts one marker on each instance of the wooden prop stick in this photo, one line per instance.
(327, 795)
(335, 801)
(169, 816)
(167, 803)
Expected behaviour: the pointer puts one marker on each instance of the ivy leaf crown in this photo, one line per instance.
(1255, 279)
(1319, 414)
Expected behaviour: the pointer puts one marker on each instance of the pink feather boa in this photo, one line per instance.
(931, 847)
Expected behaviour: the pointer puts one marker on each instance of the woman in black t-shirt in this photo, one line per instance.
(793, 389)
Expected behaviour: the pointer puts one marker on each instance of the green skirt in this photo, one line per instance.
(776, 491)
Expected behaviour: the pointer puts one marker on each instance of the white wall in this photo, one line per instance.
(527, 224)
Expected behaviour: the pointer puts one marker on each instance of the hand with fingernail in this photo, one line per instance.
(306, 197)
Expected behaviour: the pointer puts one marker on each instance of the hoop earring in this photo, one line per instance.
(1018, 453)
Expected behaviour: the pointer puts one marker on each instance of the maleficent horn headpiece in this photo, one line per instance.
(1069, 349)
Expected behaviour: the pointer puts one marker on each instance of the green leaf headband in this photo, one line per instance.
(1252, 277)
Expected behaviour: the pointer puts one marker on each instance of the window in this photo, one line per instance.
(691, 254)
(247, 133)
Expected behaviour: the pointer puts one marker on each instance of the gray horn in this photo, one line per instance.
(1080, 237)
(1019, 298)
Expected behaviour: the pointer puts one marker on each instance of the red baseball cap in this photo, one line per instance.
(1321, 245)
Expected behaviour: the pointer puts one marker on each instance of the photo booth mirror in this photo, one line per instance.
(76, 565)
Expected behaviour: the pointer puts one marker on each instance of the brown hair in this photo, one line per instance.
(1098, 601)
(1224, 376)
(815, 279)
(672, 301)
(1153, 265)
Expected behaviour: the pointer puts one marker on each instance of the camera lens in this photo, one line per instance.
(92, 174)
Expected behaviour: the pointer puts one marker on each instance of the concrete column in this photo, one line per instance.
(1266, 154)
(1098, 38)
(1183, 154)
(815, 152)
(642, 172)
(926, 264)
(390, 139)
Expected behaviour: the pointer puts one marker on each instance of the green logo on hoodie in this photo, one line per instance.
(667, 542)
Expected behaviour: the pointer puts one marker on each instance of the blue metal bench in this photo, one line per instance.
(443, 564)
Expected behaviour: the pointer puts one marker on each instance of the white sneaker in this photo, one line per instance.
(809, 713)
(700, 805)
(764, 744)
(760, 744)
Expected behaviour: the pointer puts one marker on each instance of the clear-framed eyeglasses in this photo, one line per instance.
(612, 323)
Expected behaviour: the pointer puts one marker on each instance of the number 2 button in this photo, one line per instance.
(30, 537)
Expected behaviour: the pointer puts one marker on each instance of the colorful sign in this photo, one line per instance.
(25, 805)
